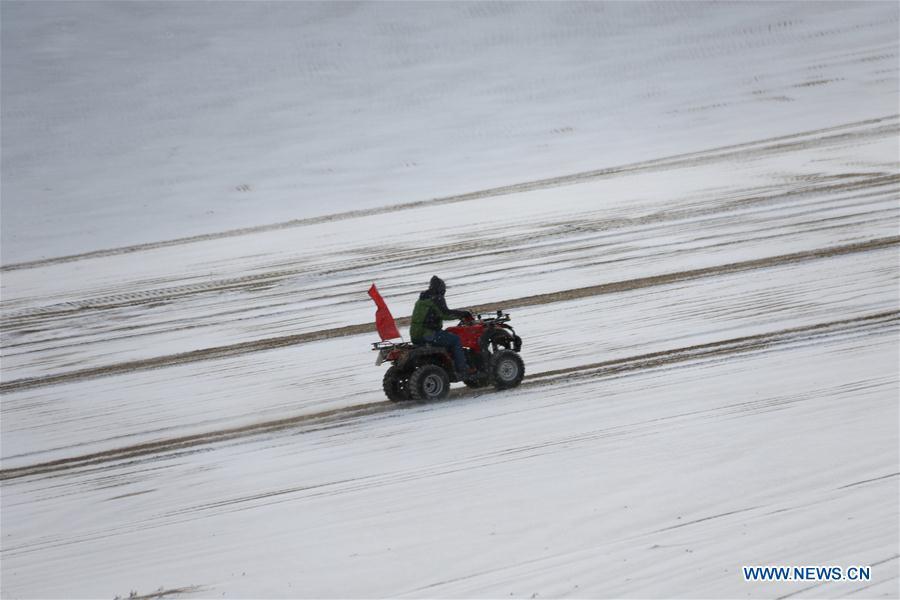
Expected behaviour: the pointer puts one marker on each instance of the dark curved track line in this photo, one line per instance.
(883, 126)
(600, 369)
(537, 299)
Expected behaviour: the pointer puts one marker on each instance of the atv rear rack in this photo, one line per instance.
(390, 344)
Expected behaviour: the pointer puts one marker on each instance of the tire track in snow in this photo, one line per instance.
(28, 317)
(515, 244)
(887, 125)
(534, 300)
(343, 416)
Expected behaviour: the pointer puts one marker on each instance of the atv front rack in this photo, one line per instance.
(500, 317)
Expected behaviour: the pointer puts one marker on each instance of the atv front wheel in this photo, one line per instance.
(396, 388)
(507, 369)
(429, 382)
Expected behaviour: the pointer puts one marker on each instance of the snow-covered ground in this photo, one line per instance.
(130, 123)
(690, 209)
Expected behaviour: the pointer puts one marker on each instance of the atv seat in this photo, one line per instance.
(424, 344)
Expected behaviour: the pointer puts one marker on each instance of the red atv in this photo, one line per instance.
(424, 372)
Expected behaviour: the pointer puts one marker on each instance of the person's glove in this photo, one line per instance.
(466, 315)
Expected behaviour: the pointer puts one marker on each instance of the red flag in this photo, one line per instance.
(384, 322)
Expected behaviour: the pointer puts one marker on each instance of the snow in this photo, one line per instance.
(620, 486)
(147, 122)
(706, 193)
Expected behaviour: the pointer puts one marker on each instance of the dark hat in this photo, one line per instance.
(437, 285)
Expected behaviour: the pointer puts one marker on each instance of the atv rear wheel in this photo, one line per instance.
(507, 369)
(396, 387)
(429, 382)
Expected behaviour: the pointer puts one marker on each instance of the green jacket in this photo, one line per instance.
(429, 314)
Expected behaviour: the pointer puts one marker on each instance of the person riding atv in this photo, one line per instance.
(479, 351)
(428, 322)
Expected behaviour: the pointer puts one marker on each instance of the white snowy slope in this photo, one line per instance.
(130, 123)
(724, 208)
(53, 422)
(690, 209)
(656, 483)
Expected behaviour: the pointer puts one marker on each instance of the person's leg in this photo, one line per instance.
(451, 341)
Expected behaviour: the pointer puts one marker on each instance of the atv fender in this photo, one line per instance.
(500, 337)
(422, 354)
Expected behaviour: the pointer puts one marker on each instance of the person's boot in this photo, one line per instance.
(467, 373)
